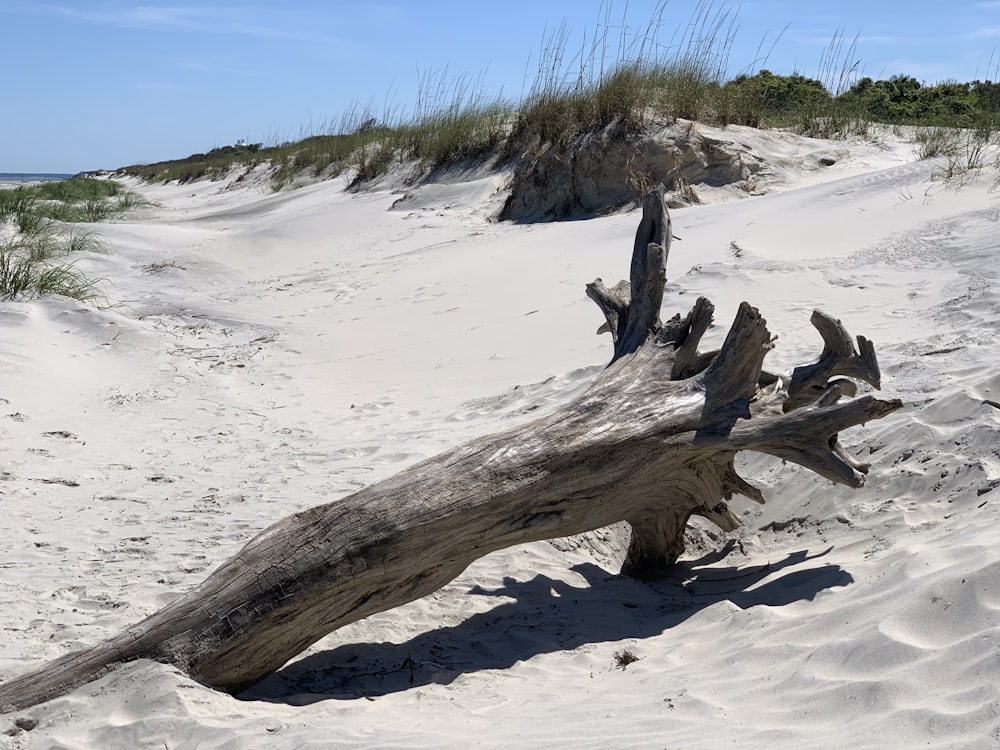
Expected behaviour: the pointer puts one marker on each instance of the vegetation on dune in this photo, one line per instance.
(37, 264)
(904, 100)
(611, 86)
(72, 201)
(212, 164)
(36, 246)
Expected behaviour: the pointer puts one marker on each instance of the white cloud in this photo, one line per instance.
(139, 17)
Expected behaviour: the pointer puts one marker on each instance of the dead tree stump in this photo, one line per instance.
(652, 442)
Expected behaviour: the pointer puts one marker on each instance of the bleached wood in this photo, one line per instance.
(652, 441)
(632, 308)
(839, 357)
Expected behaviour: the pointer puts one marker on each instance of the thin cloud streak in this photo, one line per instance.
(177, 19)
(990, 32)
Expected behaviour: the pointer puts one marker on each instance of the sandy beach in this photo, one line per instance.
(265, 352)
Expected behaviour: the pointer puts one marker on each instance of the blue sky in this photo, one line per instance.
(91, 85)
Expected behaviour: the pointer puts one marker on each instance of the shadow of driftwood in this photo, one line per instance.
(545, 615)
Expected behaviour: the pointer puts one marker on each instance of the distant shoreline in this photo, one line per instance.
(20, 178)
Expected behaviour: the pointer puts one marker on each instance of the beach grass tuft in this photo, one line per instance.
(34, 266)
(36, 244)
(76, 200)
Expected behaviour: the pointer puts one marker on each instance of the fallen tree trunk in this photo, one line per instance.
(652, 442)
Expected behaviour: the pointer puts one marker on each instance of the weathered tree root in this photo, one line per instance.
(652, 441)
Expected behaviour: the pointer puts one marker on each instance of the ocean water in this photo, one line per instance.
(17, 178)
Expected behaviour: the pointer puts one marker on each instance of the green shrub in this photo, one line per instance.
(904, 100)
(773, 99)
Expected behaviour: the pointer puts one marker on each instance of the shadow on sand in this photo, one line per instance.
(546, 615)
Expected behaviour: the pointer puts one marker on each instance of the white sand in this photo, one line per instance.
(298, 345)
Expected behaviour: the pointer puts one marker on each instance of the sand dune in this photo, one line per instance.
(271, 351)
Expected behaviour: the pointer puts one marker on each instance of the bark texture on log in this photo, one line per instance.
(652, 441)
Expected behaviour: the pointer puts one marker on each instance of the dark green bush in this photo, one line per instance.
(769, 98)
(904, 100)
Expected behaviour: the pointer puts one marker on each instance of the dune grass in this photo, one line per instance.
(76, 200)
(36, 245)
(965, 151)
(454, 120)
(611, 83)
(37, 264)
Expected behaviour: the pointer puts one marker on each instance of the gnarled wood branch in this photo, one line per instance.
(839, 357)
(632, 309)
(652, 442)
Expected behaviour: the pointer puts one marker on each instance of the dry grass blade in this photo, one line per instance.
(623, 658)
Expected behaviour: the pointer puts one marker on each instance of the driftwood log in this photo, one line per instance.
(651, 442)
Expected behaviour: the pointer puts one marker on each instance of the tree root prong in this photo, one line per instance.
(808, 383)
(734, 484)
(721, 515)
(808, 436)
